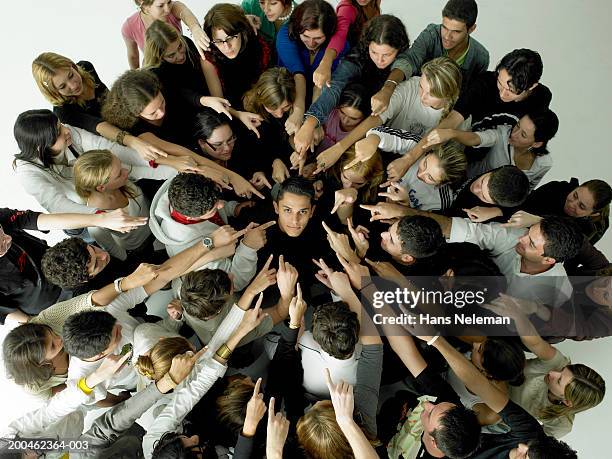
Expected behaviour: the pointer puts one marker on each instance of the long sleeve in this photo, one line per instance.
(49, 191)
(421, 51)
(55, 316)
(395, 140)
(118, 419)
(13, 220)
(225, 330)
(346, 72)
(288, 52)
(491, 236)
(369, 369)
(244, 265)
(182, 401)
(346, 14)
(58, 406)
(105, 239)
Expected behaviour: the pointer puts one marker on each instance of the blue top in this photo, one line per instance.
(295, 57)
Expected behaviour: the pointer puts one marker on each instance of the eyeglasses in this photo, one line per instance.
(217, 146)
(227, 41)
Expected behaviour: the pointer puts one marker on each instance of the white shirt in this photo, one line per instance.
(551, 287)
(314, 362)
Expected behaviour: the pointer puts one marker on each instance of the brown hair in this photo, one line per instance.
(157, 38)
(371, 170)
(232, 404)
(24, 354)
(93, 169)
(155, 365)
(274, 86)
(232, 20)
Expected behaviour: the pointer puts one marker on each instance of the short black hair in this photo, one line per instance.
(508, 186)
(170, 446)
(546, 125)
(459, 432)
(545, 447)
(504, 359)
(88, 333)
(296, 185)
(563, 237)
(193, 195)
(207, 120)
(336, 329)
(205, 292)
(65, 264)
(420, 236)
(465, 11)
(524, 66)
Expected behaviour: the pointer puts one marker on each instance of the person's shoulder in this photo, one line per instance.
(542, 94)
(130, 22)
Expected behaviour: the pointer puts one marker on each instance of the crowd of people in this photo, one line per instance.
(277, 176)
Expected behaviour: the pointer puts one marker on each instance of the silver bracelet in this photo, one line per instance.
(117, 284)
(391, 81)
(433, 340)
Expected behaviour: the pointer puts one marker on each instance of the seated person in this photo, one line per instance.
(523, 145)
(23, 285)
(189, 208)
(587, 204)
(452, 38)
(494, 195)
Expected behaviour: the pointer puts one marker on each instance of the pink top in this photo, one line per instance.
(346, 13)
(134, 28)
(333, 131)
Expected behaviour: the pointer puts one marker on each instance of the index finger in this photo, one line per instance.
(271, 412)
(352, 163)
(328, 380)
(266, 266)
(299, 292)
(240, 233)
(328, 230)
(257, 307)
(267, 225)
(324, 266)
(256, 389)
(200, 353)
(370, 207)
(343, 262)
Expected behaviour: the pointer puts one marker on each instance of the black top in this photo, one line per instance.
(22, 284)
(239, 74)
(549, 199)
(482, 101)
(113, 270)
(523, 428)
(89, 115)
(465, 199)
(273, 142)
(177, 126)
(183, 84)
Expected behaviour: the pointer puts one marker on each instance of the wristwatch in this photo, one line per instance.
(208, 243)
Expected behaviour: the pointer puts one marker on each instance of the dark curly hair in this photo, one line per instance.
(459, 433)
(65, 264)
(193, 195)
(336, 329)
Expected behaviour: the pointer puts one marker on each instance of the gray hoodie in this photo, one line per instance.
(178, 237)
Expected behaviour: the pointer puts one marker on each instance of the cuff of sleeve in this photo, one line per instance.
(459, 229)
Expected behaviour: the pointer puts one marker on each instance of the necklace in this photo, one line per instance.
(284, 18)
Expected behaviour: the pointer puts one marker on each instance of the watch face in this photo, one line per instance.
(208, 242)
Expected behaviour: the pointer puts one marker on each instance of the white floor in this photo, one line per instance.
(571, 36)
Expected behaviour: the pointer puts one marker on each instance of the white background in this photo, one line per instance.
(571, 35)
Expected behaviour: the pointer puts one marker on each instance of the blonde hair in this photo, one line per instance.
(129, 96)
(444, 77)
(453, 162)
(46, 66)
(275, 86)
(155, 365)
(158, 37)
(93, 169)
(586, 390)
(320, 436)
(371, 170)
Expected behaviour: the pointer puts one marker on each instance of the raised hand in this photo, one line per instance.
(358, 274)
(218, 104)
(286, 278)
(380, 101)
(251, 121)
(225, 235)
(147, 151)
(395, 193)
(252, 318)
(256, 408)
(360, 238)
(297, 308)
(342, 397)
(437, 137)
(276, 434)
(480, 214)
(255, 237)
(328, 158)
(259, 180)
(344, 197)
(398, 167)
(279, 171)
(263, 279)
(141, 276)
(243, 188)
(337, 281)
(522, 219)
(339, 243)
(364, 150)
(385, 210)
(120, 220)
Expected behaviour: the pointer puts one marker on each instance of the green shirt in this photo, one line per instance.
(267, 29)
